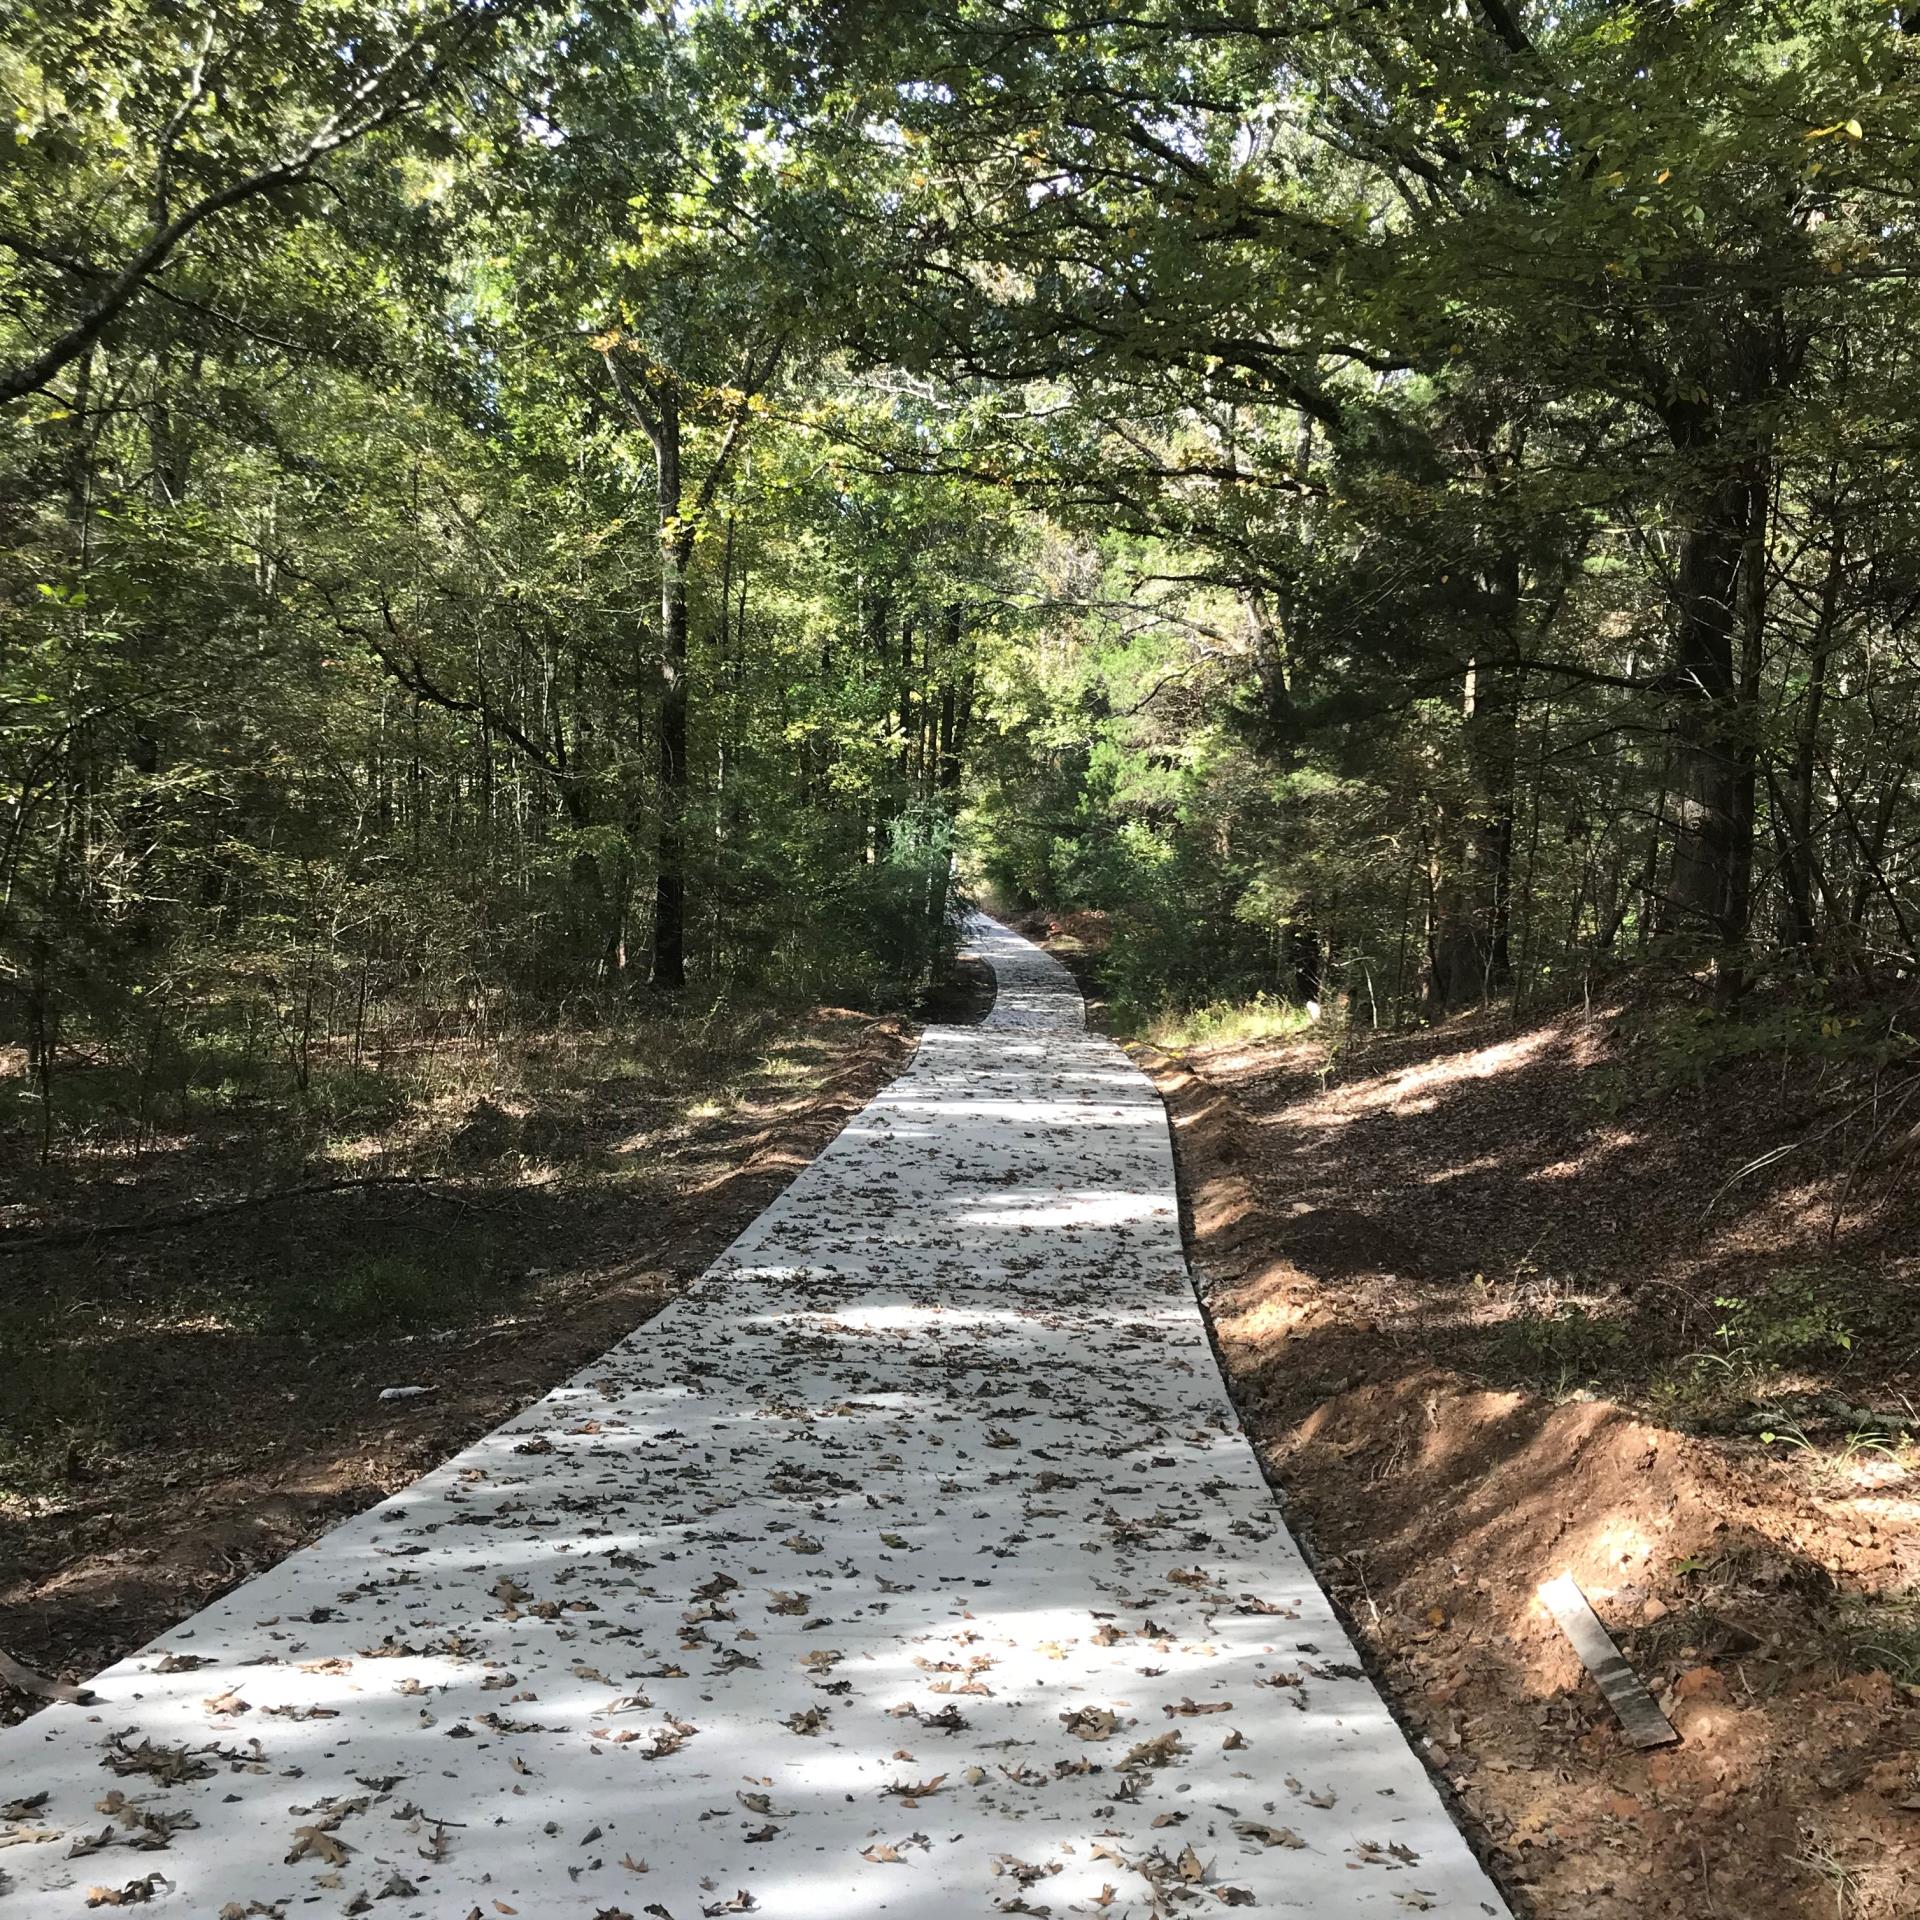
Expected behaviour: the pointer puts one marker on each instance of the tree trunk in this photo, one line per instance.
(669, 968)
(1714, 745)
(1797, 855)
(1470, 952)
(956, 703)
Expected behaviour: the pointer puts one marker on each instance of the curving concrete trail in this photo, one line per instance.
(913, 1564)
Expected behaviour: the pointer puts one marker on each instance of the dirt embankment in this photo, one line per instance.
(1440, 1479)
(1485, 1330)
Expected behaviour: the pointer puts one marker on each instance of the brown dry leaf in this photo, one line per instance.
(1267, 1836)
(1091, 1723)
(1190, 1707)
(910, 1794)
(668, 1739)
(883, 1855)
(1161, 1751)
(135, 1893)
(172, 1766)
(318, 1844)
(29, 1836)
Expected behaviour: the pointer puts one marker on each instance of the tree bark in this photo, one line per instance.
(668, 971)
(1470, 952)
(659, 418)
(1797, 855)
(1714, 746)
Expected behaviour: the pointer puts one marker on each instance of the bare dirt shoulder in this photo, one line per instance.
(182, 1408)
(1475, 1314)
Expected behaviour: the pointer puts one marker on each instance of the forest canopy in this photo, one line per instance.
(516, 504)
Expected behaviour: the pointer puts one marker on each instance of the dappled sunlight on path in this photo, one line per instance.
(913, 1564)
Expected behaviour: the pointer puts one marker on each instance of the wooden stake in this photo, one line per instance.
(1644, 1723)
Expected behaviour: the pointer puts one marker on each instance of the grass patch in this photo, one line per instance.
(1797, 1313)
(441, 1286)
(1883, 1630)
(522, 1138)
(57, 1404)
(1225, 1023)
(1566, 1344)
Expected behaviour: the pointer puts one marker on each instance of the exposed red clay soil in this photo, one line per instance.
(1374, 1242)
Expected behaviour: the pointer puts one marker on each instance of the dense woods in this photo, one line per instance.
(511, 507)
(548, 550)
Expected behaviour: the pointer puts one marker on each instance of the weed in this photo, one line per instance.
(1565, 1341)
(1871, 1439)
(1820, 1859)
(58, 1404)
(1795, 1315)
(374, 1291)
(1883, 1631)
(1685, 1047)
(1228, 1023)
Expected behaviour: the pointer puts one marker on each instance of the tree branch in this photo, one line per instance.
(365, 112)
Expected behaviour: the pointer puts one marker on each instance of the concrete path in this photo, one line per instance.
(912, 1564)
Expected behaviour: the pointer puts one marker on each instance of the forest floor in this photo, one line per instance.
(1485, 1329)
(182, 1407)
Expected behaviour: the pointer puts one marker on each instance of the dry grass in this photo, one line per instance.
(179, 1407)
